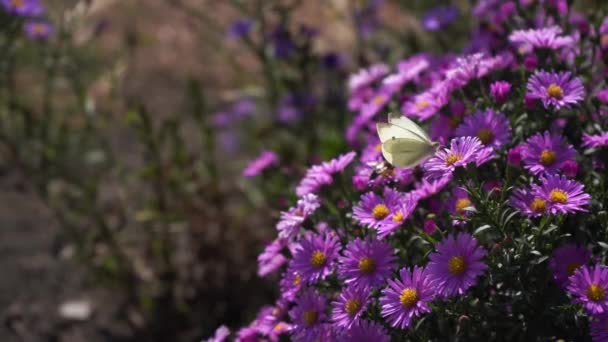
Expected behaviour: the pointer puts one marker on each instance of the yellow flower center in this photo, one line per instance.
(596, 293)
(318, 259)
(281, 326)
(558, 196)
(352, 306)
(379, 99)
(461, 204)
(408, 297)
(17, 3)
(485, 135)
(538, 205)
(422, 104)
(573, 266)
(380, 211)
(310, 317)
(456, 265)
(555, 91)
(297, 280)
(452, 158)
(547, 157)
(367, 265)
(378, 148)
(398, 217)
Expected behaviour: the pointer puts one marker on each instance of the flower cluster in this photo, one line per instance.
(505, 223)
(29, 12)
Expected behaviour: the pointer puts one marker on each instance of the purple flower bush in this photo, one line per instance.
(502, 232)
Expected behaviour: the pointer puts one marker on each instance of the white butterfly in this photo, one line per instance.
(404, 143)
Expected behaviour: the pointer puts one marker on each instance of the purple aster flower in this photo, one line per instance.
(588, 285)
(365, 331)
(308, 316)
(439, 17)
(474, 66)
(514, 156)
(566, 260)
(291, 220)
(221, 333)
(427, 188)
(282, 43)
(366, 263)
(38, 29)
(602, 95)
(500, 91)
(278, 330)
(598, 328)
(491, 127)
(594, 141)
(350, 306)
(407, 297)
(425, 105)
(240, 28)
(563, 195)
(528, 202)
(407, 70)
(430, 226)
(320, 175)
(462, 151)
(456, 264)
(546, 153)
(377, 102)
(290, 284)
(378, 212)
(570, 168)
(556, 90)
(314, 256)
(265, 160)
(366, 77)
(25, 8)
(271, 258)
(460, 204)
(247, 334)
(547, 37)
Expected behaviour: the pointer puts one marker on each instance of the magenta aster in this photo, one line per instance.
(308, 316)
(528, 202)
(314, 256)
(556, 90)
(425, 105)
(588, 286)
(365, 331)
(380, 212)
(366, 263)
(460, 204)
(26, 8)
(462, 151)
(365, 77)
(291, 220)
(546, 153)
(491, 127)
(427, 188)
(265, 160)
(350, 306)
(500, 91)
(563, 195)
(290, 284)
(221, 333)
(546, 37)
(456, 264)
(566, 260)
(320, 175)
(271, 258)
(407, 297)
(595, 141)
(38, 29)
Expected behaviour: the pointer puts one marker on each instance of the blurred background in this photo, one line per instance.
(133, 204)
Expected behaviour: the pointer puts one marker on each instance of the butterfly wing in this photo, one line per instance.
(387, 131)
(408, 125)
(404, 152)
